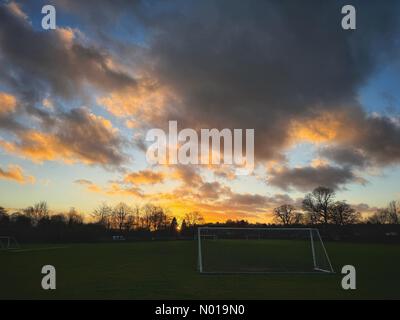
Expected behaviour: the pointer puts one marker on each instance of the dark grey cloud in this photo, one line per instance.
(344, 155)
(256, 202)
(90, 138)
(366, 140)
(307, 178)
(34, 61)
(261, 64)
(212, 190)
(103, 13)
(379, 138)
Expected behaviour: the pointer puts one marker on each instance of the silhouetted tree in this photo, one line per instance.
(342, 213)
(37, 212)
(21, 220)
(120, 214)
(394, 212)
(317, 204)
(59, 219)
(194, 218)
(73, 218)
(173, 226)
(379, 217)
(4, 218)
(154, 218)
(103, 215)
(129, 223)
(183, 227)
(388, 215)
(286, 215)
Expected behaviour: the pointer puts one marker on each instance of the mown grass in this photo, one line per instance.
(167, 270)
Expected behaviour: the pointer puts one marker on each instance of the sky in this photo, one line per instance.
(76, 103)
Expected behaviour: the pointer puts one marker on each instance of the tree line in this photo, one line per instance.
(146, 222)
(320, 207)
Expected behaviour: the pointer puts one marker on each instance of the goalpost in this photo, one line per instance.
(8, 243)
(261, 250)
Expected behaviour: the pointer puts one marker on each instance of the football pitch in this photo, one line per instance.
(168, 270)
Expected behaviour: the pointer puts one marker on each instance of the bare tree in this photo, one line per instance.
(381, 216)
(193, 218)
(342, 213)
(73, 217)
(317, 204)
(129, 223)
(37, 212)
(120, 214)
(146, 219)
(299, 218)
(286, 215)
(103, 215)
(388, 215)
(4, 217)
(393, 210)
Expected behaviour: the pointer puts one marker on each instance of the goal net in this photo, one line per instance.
(261, 250)
(7, 243)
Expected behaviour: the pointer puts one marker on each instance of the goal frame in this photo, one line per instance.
(9, 240)
(309, 230)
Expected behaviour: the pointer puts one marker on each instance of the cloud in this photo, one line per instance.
(16, 173)
(34, 61)
(144, 177)
(112, 189)
(365, 140)
(189, 175)
(195, 68)
(266, 72)
(144, 102)
(8, 103)
(379, 139)
(16, 10)
(307, 178)
(345, 155)
(324, 127)
(212, 191)
(88, 184)
(106, 14)
(74, 136)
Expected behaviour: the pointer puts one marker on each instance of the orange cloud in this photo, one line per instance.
(114, 189)
(78, 136)
(89, 185)
(37, 146)
(323, 128)
(16, 173)
(117, 189)
(7, 103)
(317, 162)
(145, 101)
(144, 177)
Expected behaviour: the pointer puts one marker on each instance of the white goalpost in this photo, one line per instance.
(261, 250)
(8, 243)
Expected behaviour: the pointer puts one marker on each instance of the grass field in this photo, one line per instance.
(262, 256)
(167, 270)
